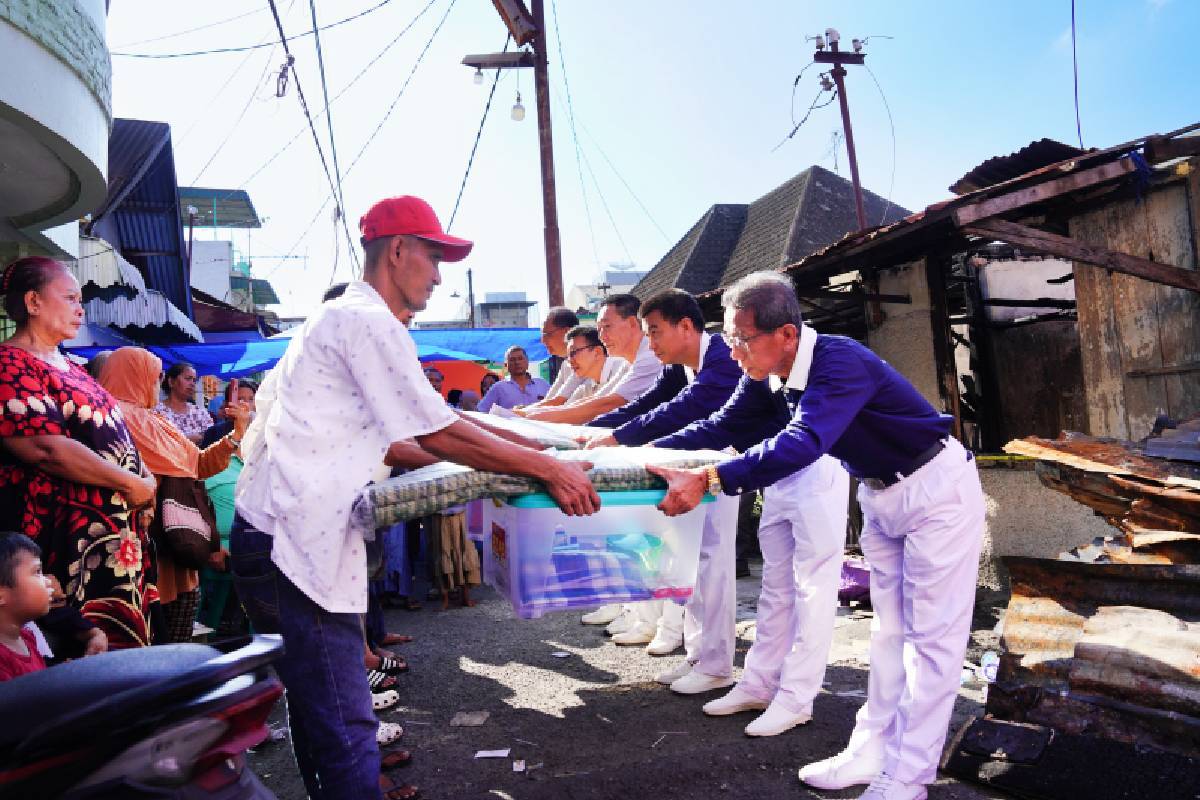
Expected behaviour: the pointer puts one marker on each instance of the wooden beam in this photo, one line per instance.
(943, 347)
(830, 294)
(995, 206)
(1073, 250)
(1041, 302)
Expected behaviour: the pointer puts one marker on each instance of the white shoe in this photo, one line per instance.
(735, 702)
(382, 701)
(664, 643)
(638, 634)
(388, 733)
(602, 615)
(847, 768)
(698, 683)
(627, 620)
(674, 673)
(885, 787)
(777, 720)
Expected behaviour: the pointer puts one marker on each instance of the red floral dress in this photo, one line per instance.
(88, 536)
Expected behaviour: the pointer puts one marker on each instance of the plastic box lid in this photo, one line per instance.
(636, 497)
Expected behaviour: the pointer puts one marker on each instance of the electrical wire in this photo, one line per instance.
(311, 126)
(796, 83)
(587, 206)
(337, 170)
(478, 134)
(811, 108)
(371, 138)
(192, 30)
(892, 125)
(218, 50)
(346, 88)
(624, 182)
(1075, 71)
(237, 123)
(607, 210)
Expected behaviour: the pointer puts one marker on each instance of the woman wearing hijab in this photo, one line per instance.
(184, 523)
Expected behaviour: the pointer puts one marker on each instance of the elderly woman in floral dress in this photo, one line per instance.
(70, 475)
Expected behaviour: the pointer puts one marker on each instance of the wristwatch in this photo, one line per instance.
(235, 442)
(714, 480)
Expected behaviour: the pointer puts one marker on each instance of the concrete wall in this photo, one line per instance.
(1024, 518)
(905, 339)
(211, 263)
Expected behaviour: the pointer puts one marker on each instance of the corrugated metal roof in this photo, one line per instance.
(148, 310)
(998, 169)
(218, 208)
(140, 216)
(101, 267)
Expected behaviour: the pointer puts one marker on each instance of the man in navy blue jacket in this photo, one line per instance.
(923, 524)
(698, 378)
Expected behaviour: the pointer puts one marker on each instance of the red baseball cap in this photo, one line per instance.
(410, 216)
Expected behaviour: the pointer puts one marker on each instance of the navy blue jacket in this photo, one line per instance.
(752, 414)
(672, 402)
(856, 407)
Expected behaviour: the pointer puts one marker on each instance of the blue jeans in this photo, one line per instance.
(328, 701)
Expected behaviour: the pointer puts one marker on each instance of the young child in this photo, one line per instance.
(24, 596)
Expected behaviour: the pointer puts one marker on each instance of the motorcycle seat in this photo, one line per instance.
(37, 699)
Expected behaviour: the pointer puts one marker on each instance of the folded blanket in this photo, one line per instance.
(431, 489)
(547, 434)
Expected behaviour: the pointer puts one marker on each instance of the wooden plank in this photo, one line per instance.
(995, 206)
(1100, 357)
(1172, 235)
(1076, 250)
(943, 349)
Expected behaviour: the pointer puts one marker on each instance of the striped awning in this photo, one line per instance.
(101, 266)
(147, 309)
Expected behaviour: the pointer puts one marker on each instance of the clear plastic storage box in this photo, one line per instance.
(543, 560)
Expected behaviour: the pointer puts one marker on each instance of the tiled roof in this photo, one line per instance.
(811, 211)
(697, 260)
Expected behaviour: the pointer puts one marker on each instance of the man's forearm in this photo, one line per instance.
(466, 443)
(507, 435)
(578, 413)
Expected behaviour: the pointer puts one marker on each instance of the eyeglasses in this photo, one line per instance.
(573, 353)
(739, 342)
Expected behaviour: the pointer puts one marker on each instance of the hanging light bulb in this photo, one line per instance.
(518, 110)
(478, 77)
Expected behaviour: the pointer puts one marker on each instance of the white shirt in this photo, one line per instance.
(611, 372)
(565, 383)
(798, 376)
(348, 386)
(640, 375)
(688, 371)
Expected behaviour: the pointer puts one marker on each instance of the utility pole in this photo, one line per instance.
(838, 57)
(530, 28)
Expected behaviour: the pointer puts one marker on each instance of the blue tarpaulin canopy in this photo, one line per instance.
(235, 359)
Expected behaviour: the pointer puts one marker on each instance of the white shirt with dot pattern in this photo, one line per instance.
(348, 386)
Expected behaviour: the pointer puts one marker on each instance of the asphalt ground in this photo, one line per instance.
(594, 724)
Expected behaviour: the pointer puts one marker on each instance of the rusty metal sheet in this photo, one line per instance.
(1109, 650)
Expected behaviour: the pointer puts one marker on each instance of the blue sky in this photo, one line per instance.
(684, 101)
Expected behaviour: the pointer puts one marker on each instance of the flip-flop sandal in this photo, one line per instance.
(393, 759)
(380, 681)
(382, 701)
(397, 791)
(392, 665)
(388, 733)
(395, 638)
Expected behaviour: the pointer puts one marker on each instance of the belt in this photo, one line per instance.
(918, 462)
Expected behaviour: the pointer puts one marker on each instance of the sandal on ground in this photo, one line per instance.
(395, 638)
(380, 681)
(388, 733)
(394, 759)
(382, 701)
(397, 791)
(392, 665)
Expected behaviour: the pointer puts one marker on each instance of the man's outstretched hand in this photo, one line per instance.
(685, 488)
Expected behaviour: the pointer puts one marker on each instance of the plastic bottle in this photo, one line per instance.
(989, 665)
(560, 537)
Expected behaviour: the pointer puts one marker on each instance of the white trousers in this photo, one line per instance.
(709, 618)
(922, 538)
(802, 536)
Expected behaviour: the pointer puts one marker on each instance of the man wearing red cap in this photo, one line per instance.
(348, 387)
